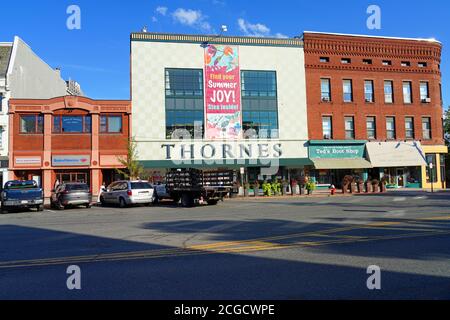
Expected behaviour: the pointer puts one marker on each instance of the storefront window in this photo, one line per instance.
(259, 103)
(184, 101)
(442, 165)
(31, 124)
(72, 124)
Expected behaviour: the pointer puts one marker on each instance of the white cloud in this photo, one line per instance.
(162, 10)
(257, 29)
(191, 18)
(154, 19)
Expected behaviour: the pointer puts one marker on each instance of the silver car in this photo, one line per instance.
(126, 193)
(71, 194)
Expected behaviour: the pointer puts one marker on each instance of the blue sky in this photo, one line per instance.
(97, 56)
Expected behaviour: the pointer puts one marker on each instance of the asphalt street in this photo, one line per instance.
(293, 248)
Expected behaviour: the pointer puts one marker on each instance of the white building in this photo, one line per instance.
(175, 85)
(23, 75)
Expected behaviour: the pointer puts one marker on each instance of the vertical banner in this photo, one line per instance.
(222, 93)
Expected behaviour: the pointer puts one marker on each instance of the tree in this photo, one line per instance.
(447, 121)
(133, 168)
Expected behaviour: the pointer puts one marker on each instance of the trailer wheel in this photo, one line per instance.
(187, 201)
(212, 202)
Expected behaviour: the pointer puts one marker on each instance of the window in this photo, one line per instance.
(325, 89)
(349, 128)
(426, 128)
(387, 63)
(406, 64)
(407, 92)
(327, 128)
(422, 64)
(184, 101)
(368, 91)
(1, 102)
(390, 128)
(31, 124)
(348, 91)
(388, 92)
(72, 124)
(260, 103)
(346, 60)
(442, 165)
(371, 128)
(111, 124)
(424, 93)
(409, 128)
(324, 59)
(367, 61)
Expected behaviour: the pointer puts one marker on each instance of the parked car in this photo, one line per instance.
(21, 195)
(125, 193)
(71, 194)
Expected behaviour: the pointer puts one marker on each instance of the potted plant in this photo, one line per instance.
(267, 189)
(294, 187)
(360, 184)
(256, 188)
(369, 185)
(383, 183)
(375, 186)
(285, 187)
(310, 187)
(302, 184)
(346, 183)
(246, 189)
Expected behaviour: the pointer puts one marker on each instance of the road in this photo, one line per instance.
(296, 248)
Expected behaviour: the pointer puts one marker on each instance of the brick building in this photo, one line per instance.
(375, 109)
(69, 139)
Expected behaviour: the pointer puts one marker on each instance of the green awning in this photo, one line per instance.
(341, 164)
(233, 164)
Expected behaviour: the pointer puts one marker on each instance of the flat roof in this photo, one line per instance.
(216, 39)
(372, 36)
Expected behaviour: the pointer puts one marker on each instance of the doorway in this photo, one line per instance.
(401, 178)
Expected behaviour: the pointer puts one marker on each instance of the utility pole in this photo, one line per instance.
(432, 177)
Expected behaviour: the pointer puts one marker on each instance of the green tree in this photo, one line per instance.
(447, 121)
(133, 168)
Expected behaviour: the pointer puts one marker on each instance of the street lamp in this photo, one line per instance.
(431, 165)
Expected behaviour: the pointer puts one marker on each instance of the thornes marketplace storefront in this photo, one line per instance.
(232, 103)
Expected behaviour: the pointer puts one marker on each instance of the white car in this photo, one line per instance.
(126, 193)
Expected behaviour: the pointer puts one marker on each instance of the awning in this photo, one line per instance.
(323, 164)
(396, 154)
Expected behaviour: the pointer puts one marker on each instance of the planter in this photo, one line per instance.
(368, 187)
(375, 188)
(241, 192)
(382, 187)
(246, 192)
(361, 187)
(353, 188)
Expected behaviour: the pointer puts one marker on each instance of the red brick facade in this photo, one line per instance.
(366, 56)
(33, 154)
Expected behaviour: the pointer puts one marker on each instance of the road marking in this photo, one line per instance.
(245, 246)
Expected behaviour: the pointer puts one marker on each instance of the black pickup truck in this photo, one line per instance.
(193, 186)
(21, 195)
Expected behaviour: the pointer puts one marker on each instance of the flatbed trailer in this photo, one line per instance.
(193, 186)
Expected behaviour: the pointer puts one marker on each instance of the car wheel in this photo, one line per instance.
(88, 206)
(122, 203)
(40, 208)
(155, 199)
(60, 206)
(102, 202)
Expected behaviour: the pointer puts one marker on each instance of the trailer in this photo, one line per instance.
(192, 186)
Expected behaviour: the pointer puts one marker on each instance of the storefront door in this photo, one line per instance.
(401, 178)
